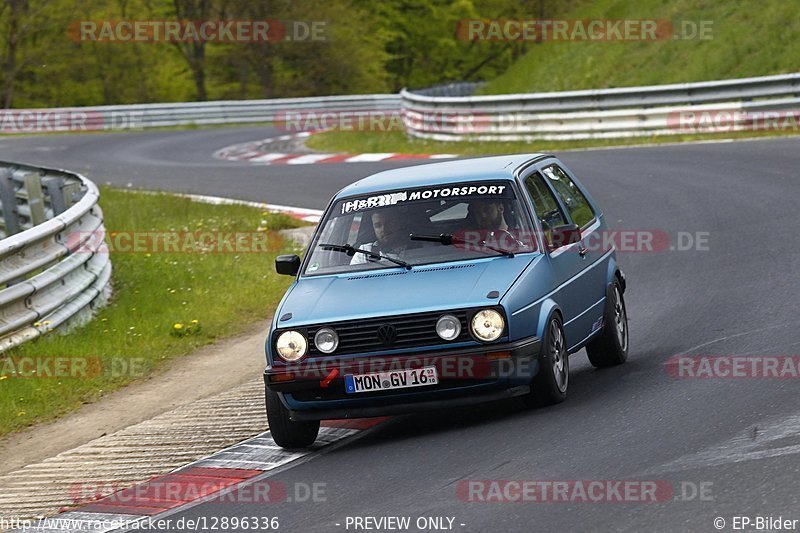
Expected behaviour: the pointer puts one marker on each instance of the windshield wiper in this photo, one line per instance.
(449, 239)
(352, 250)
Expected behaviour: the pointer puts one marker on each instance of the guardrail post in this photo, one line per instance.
(71, 193)
(33, 186)
(55, 191)
(8, 200)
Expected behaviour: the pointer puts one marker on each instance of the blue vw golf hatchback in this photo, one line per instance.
(443, 285)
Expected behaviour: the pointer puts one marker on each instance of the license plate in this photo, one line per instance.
(398, 379)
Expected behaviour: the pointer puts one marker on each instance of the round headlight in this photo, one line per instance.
(448, 327)
(326, 340)
(291, 346)
(487, 325)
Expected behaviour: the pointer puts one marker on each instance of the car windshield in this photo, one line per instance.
(418, 226)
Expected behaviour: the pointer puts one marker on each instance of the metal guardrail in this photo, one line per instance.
(604, 113)
(54, 263)
(450, 113)
(138, 116)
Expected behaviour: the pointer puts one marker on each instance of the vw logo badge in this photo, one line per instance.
(387, 334)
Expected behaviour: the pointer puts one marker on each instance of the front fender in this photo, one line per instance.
(614, 271)
(548, 307)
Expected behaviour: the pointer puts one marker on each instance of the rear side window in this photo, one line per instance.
(577, 204)
(546, 205)
(547, 209)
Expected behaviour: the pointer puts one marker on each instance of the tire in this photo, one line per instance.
(549, 386)
(610, 348)
(285, 432)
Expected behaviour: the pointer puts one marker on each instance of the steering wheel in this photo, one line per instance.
(545, 218)
(501, 234)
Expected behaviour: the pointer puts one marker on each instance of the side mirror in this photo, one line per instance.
(564, 236)
(288, 265)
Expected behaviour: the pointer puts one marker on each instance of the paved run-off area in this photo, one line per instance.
(134, 454)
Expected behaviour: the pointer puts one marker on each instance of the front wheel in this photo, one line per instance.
(286, 432)
(549, 386)
(611, 346)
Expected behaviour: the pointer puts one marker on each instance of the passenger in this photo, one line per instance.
(488, 215)
(490, 227)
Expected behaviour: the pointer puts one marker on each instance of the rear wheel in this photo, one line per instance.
(610, 348)
(285, 432)
(550, 384)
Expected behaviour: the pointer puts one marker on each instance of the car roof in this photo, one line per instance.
(455, 171)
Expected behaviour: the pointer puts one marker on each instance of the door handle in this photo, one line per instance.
(583, 251)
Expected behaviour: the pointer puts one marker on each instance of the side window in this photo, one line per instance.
(577, 204)
(546, 205)
(547, 208)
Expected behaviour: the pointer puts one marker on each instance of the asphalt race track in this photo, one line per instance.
(728, 447)
(182, 161)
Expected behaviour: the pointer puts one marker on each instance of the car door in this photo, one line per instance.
(588, 287)
(566, 264)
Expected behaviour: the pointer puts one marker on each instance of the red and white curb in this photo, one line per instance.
(225, 474)
(258, 153)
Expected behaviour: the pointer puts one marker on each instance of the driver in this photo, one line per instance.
(390, 237)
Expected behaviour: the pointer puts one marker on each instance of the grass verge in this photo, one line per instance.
(355, 142)
(743, 39)
(210, 294)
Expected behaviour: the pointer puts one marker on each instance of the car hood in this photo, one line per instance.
(397, 291)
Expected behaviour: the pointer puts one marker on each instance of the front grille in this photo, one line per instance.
(412, 331)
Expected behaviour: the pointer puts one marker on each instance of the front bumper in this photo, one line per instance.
(315, 390)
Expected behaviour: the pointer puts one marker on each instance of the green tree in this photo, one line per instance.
(194, 52)
(25, 26)
(425, 47)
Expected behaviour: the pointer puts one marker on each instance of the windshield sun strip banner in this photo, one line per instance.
(457, 190)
